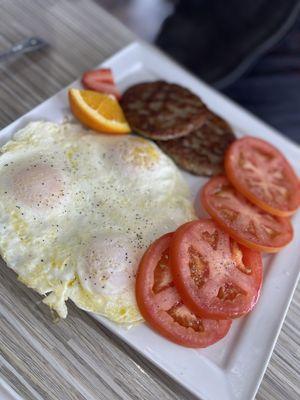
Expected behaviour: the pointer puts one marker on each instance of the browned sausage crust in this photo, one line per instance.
(201, 152)
(162, 111)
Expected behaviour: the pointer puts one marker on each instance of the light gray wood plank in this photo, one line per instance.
(77, 358)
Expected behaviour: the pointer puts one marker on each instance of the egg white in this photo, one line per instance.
(78, 210)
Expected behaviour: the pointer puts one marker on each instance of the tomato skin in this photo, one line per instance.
(196, 299)
(102, 74)
(157, 317)
(290, 179)
(100, 80)
(237, 230)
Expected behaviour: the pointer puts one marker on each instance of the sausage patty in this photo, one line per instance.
(162, 111)
(201, 152)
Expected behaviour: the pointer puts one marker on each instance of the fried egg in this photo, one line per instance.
(79, 209)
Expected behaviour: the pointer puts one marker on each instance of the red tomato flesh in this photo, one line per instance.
(162, 307)
(242, 220)
(100, 80)
(102, 75)
(216, 277)
(262, 174)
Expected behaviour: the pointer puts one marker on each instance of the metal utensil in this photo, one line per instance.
(25, 46)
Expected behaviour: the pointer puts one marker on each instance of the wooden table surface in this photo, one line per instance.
(77, 358)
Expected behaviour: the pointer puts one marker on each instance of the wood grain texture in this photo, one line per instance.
(78, 358)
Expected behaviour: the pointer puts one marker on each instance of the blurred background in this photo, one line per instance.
(250, 50)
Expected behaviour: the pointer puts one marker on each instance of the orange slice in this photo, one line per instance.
(98, 111)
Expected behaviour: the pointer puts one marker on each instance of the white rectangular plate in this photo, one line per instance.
(233, 368)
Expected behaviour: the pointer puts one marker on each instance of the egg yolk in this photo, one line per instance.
(107, 267)
(142, 155)
(38, 186)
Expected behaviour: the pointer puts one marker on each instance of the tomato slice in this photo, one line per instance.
(216, 277)
(101, 75)
(242, 220)
(101, 80)
(162, 307)
(262, 174)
